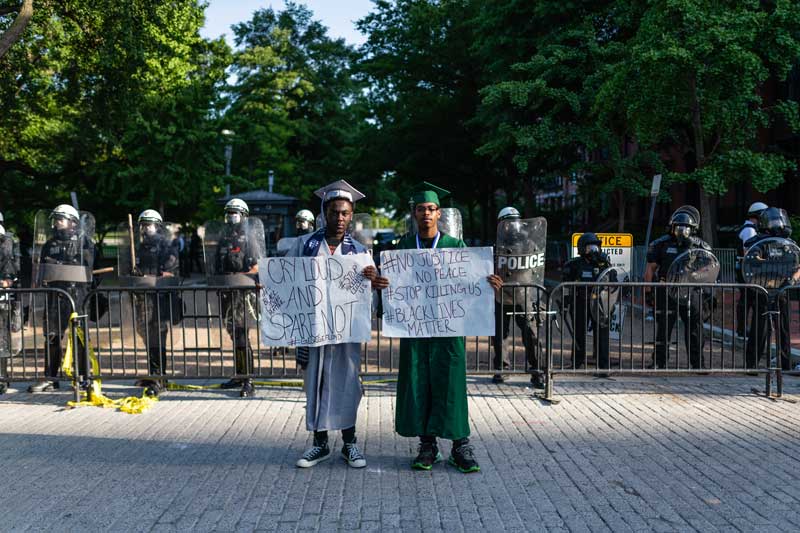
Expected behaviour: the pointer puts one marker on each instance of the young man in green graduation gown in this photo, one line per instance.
(432, 382)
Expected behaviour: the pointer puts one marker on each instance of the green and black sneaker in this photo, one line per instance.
(463, 458)
(428, 455)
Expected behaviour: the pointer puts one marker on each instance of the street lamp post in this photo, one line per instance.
(228, 151)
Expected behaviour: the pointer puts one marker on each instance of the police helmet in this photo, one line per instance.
(685, 217)
(306, 215)
(774, 221)
(507, 213)
(235, 204)
(587, 239)
(691, 211)
(151, 215)
(65, 211)
(756, 208)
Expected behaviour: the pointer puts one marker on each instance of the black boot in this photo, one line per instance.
(233, 383)
(248, 389)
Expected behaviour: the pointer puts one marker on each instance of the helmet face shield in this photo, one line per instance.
(775, 221)
(681, 231)
(233, 217)
(591, 249)
(62, 222)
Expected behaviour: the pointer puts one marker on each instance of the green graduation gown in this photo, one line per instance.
(432, 381)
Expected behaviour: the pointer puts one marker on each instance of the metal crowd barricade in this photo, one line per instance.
(696, 344)
(199, 338)
(198, 332)
(788, 324)
(485, 355)
(27, 318)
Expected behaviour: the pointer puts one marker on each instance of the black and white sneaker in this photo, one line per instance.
(314, 455)
(353, 455)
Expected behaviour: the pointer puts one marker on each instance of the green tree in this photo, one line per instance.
(424, 83)
(538, 112)
(116, 101)
(691, 79)
(294, 105)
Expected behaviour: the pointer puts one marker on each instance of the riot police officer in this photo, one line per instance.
(156, 257)
(683, 227)
(304, 222)
(9, 310)
(587, 267)
(69, 245)
(9, 259)
(772, 223)
(524, 312)
(238, 253)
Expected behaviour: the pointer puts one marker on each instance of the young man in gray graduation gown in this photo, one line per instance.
(333, 388)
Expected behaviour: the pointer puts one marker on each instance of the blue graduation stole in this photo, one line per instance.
(313, 243)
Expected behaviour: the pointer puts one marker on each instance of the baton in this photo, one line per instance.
(133, 244)
(103, 270)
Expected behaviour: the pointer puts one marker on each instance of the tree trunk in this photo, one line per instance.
(528, 199)
(706, 216)
(621, 211)
(14, 32)
(484, 216)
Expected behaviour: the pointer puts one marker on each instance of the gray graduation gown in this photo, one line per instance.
(333, 388)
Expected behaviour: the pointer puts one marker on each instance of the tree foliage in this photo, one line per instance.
(124, 102)
(294, 106)
(114, 100)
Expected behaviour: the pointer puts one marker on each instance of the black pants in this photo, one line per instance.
(757, 336)
(580, 313)
(153, 316)
(56, 324)
(238, 313)
(502, 325)
(687, 306)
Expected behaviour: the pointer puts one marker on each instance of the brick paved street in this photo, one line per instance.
(630, 454)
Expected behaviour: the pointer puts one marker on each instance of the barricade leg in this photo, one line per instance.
(76, 361)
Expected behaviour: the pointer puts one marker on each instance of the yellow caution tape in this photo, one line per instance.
(130, 404)
(134, 405)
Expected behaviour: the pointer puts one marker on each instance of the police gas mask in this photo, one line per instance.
(302, 224)
(149, 230)
(681, 232)
(233, 217)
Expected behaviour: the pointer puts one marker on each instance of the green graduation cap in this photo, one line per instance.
(428, 193)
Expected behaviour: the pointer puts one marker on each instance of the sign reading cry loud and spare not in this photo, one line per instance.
(313, 301)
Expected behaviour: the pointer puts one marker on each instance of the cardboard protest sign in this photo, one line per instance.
(440, 292)
(313, 301)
